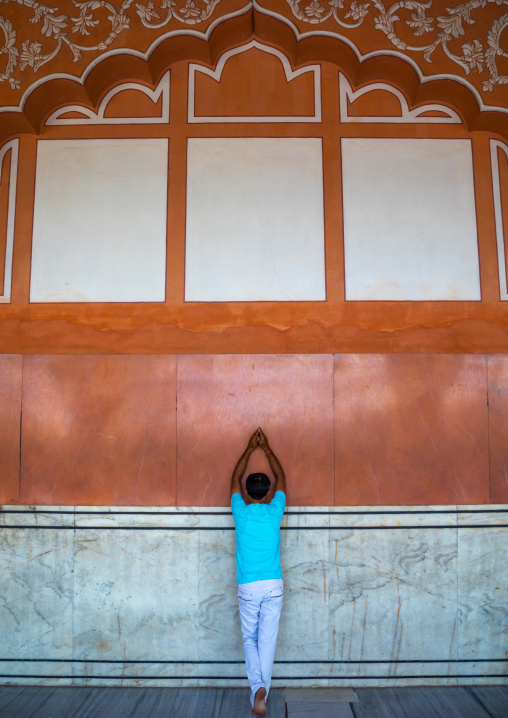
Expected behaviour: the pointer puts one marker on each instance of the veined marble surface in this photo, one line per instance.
(147, 596)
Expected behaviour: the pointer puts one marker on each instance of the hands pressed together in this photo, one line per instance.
(258, 438)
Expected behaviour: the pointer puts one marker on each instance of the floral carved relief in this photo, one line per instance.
(446, 28)
(54, 31)
(54, 37)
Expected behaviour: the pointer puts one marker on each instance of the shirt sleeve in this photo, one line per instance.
(278, 503)
(237, 503)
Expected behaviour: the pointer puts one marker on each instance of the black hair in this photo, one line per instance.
(257, 486)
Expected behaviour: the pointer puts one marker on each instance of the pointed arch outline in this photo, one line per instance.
(216, 74)
(347, 96)
(98, 118)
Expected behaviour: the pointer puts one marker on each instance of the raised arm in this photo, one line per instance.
(278, 472)
(236, 479)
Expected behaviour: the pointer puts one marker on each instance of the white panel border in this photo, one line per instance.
(496, 145)
(290, 75)
(98, 118)
(347, 94)
(13, 145)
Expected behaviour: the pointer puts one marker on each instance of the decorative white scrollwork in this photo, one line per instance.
(449, 30)
(446, 29)
(91, 14)
(192, 13)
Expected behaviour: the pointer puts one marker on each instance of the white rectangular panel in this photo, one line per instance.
(100, 221)
(255, 226)
(409, 220)
(13, 146)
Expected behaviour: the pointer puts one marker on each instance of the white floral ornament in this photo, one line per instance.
(350, 14)
(55, 27)
(447, 28)
(11, 51)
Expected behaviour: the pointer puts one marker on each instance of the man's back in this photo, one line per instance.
(258, 538)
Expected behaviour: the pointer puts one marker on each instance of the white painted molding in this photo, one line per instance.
(496, 145)
(13, 145)
(290, 75)
(347, 95)
(97, 118)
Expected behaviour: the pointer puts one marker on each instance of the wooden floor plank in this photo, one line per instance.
(415, 702)
(32, 701)
(493, 698)
(186, 703)
(319, 710)
(8, 694)
(276, 704)
(234, 702)
(118, 702)
(112, 702)
(320, 695)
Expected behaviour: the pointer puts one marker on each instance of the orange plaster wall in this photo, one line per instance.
(11, 370)
(148, 427)
(244, 92)
(98, 430)
(222, 399)
(249, 327)
(411, 430)
(132, 103)
(349, 429)
(498, 427)
(375, 103)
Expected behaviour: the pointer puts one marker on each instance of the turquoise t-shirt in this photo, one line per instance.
(258, 538)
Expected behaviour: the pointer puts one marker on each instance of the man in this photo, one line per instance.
(259, 578)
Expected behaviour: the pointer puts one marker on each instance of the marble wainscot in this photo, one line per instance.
(389, 596)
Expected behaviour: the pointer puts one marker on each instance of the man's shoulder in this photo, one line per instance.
(279, 495)
(237, 501)
(279, 501)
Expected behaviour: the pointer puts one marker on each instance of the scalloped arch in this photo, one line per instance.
(120, 66)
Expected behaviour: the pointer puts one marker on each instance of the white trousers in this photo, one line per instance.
(260, 606)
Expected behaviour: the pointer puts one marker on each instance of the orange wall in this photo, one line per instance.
(152, 403)
(335, 325)
(165, 430)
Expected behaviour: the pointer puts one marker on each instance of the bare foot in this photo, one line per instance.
(259, 707)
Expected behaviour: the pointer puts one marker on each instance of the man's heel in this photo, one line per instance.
(259, 707)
